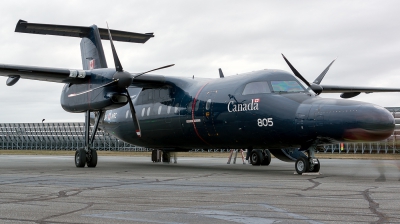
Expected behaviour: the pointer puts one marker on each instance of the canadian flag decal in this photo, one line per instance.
(91, 64)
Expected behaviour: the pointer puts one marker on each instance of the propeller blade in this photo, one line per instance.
(167, 66)
(296, 73)
(322, 75)
(133, 112)
(90, 90)
(118, 65)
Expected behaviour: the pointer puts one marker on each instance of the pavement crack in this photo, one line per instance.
(64, 194)
(373, 206)
(43, 220)
(316, 183)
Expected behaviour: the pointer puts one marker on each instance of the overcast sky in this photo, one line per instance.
(202, 36)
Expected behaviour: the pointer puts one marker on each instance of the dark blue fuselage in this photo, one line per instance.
(215, 113)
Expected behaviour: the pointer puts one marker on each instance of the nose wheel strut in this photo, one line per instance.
(308, 164)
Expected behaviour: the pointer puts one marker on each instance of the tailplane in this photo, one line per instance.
(92, 52)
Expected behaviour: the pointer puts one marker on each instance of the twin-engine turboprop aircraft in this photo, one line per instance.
(266, 111)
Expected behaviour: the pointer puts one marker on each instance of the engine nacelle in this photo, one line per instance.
(104, 98)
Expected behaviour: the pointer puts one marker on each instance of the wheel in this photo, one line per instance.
(80, 158)
(92, 162)
(301, 165)
(267, 158)
(256, 157)
(166, 157)
(315, 168)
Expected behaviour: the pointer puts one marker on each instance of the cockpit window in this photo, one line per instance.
(256, 87)
(286, 86)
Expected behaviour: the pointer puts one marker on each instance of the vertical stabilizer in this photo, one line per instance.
(92, 50)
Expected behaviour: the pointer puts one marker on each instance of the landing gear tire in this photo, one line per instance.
(256, 157)
(166, 157)
(301, 165)
(92, 162)
(315, 168)
(80, 158)
(267, 158)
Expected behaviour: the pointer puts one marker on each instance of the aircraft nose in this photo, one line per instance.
(374, 123)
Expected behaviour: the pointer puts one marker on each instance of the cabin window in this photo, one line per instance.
(159, 110)
(148, 111)
(208, 104)
(286, 86)
(169, 109)
(143, 110)
(176, 108)
(127, 114)
(256, 88)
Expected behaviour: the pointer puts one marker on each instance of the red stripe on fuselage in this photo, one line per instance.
(193, 106)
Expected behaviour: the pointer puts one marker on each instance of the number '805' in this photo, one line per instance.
(264, 122)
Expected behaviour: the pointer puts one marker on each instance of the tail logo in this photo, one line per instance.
(91, 64)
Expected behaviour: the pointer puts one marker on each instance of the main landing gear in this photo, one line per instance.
(260, 157)
(88, 156)
(309, 164)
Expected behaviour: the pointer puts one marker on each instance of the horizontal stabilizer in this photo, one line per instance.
(80, 31)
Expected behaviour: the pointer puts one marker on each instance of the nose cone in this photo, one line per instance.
(374, 123)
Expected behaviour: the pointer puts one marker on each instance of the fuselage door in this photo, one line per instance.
(209, 113)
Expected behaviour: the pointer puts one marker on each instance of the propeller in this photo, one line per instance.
(314, 85)
(122, 80)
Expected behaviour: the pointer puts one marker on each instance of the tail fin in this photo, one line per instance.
(92, 52)
(91, 48)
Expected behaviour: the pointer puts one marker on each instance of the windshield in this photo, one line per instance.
(286, 86)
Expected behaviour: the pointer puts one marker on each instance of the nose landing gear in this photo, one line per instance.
(309, 164)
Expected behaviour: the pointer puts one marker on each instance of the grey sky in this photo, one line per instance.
(201, 36)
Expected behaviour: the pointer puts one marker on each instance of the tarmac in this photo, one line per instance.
(50, 189)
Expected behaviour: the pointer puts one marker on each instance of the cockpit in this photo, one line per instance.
(290, 86)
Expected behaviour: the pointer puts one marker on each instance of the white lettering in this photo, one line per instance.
(236, 107)
(230, 102)
(265, 122)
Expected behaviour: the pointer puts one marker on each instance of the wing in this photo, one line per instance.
(352, 91)
(60, 75)
(348, 89)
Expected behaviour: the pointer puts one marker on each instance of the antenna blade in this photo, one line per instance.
(221, 75)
